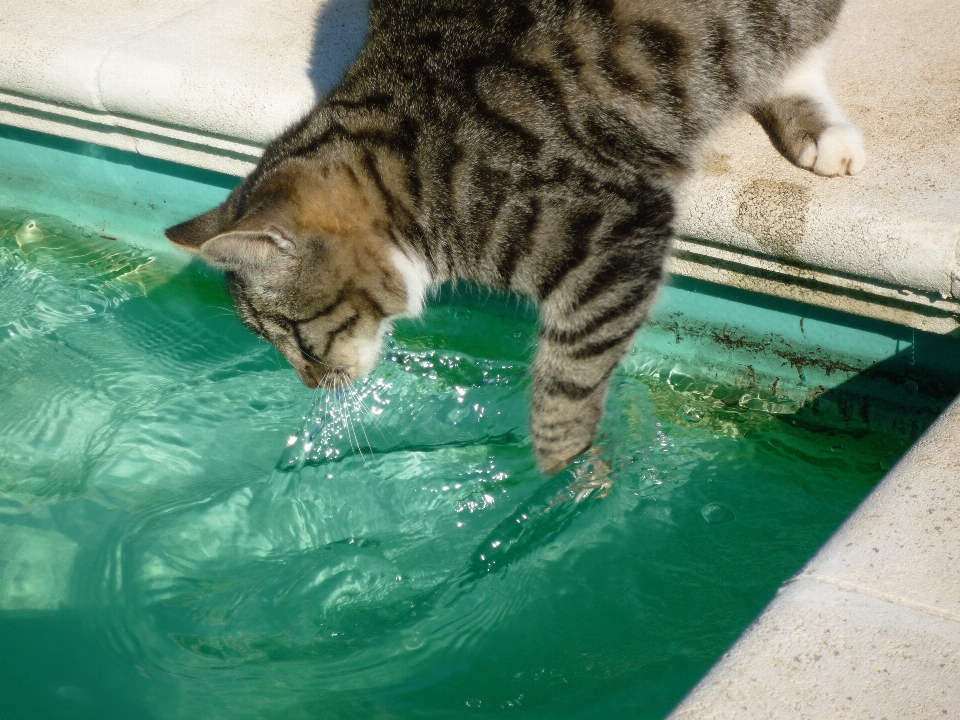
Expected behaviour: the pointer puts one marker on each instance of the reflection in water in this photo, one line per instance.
(35, 568)
(204, 537)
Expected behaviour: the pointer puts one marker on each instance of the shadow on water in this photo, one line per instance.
(901, 394)
(839, 386)
(33, 648)
(341, 29)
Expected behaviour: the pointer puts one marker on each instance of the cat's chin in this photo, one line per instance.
(307, 377)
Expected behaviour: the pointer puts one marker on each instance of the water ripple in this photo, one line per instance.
(205, 537)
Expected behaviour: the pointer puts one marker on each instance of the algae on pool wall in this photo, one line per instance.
(164, 519)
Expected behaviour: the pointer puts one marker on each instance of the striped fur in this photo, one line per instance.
(531, 145)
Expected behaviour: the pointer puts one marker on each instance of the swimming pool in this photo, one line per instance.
(187, 531)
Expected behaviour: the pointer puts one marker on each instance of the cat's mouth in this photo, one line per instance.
(314, 376)
(316, 373)
(347, 361)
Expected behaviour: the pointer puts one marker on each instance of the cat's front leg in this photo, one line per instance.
(580, 345)
(564, 414)
(807, 126)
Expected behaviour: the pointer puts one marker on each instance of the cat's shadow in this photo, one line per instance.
(341, 29)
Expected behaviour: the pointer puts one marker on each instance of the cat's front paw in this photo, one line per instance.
(838, 151)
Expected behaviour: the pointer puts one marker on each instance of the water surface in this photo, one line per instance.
(186, 531)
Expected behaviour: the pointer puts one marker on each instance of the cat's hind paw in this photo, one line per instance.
(838, 151)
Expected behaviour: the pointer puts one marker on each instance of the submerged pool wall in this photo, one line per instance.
(105, 191)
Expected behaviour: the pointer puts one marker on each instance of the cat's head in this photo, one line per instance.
(311, 265)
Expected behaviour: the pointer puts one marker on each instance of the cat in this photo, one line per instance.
(530, 145)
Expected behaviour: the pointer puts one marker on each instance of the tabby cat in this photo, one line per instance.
(532, 145)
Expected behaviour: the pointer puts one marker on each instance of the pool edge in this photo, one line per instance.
(871, 626)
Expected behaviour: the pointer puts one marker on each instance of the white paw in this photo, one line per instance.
(838, 151)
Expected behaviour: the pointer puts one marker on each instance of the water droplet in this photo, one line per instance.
(691, 414)
(414, 641)
(715, 513)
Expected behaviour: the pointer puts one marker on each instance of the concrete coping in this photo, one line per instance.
(209, 82)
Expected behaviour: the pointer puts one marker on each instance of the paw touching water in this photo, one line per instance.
(592, 478)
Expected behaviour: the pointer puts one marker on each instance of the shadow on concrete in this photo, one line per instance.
(341, 30)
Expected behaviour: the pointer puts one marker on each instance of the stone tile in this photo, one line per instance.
(821, 651)
(53, 49)
(895, 70)
(903, 543)
(237, 68)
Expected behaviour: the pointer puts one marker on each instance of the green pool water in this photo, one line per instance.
(186, 531)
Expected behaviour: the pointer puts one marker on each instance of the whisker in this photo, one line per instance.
(377, 422)
(379, 425)
(351, 430)
(359, 400)
(353, 433)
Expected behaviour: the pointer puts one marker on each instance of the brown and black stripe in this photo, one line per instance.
(531, 145)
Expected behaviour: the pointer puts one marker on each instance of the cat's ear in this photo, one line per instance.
(240, 250)
(246, 245)
(192, 234)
